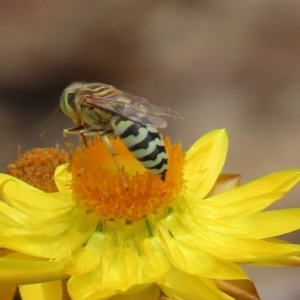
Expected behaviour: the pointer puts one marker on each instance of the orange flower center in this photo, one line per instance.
(36, 167)
(98, 184)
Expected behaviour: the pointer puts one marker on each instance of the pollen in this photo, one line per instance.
(36, 167)
(98, 184)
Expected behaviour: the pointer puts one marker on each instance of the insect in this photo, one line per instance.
(98, 108)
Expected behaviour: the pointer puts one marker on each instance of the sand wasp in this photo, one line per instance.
(98, 108)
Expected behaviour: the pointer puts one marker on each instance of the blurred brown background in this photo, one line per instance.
(234, 65)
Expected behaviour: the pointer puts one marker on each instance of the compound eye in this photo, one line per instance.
(67, 103)
(70, 98)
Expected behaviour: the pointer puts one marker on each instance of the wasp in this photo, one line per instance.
(98, 108)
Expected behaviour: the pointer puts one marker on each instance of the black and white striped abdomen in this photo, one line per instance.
(145, 143)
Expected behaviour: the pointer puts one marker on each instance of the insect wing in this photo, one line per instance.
(134, 108)
(154, 108)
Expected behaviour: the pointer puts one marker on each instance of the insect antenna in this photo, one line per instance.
(49, 120)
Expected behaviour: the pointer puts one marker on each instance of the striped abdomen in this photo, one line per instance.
(145, 143)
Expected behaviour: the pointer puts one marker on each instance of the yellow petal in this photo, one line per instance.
(151, 292)
(7, 291)
(227, 247)
(289, 261)
(282, 261)
(81, 224)
(113, 261)
(153, 263)
(17, 268)
(270, 223)
(224, 183)
(38, 223)
(62, 178)
(43, 291)
(180, 285)
(27, 198)
(238, 289)
(204, 162)
(87, 258)
(248, 198)
(117, 272)
(190, 258)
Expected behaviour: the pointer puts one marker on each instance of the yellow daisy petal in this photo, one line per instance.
(87, 258)
(180, 285)
(61, 176)
(193, 260)
(248, 198)
(43, 291)
(238, 289)
(7, 291)
(204, 162)
(153, 262)
(139, 292)
(287, 260)
(283, 221)
(38, 223)
(112, 264)
(237, 248)
(17, 268)
(224, 183)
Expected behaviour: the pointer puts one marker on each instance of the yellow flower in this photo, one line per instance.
(181, 236)
(35, 167)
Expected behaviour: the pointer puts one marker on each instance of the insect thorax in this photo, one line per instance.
(96, 117)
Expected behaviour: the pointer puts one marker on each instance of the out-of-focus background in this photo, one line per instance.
(232, 64)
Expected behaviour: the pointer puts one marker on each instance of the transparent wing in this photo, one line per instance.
(155, 108)
(134, 108)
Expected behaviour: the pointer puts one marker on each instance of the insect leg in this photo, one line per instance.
(71, 131)
(83, 144)
(107, 143)
(113, 126)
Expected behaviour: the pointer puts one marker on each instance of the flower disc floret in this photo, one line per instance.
(98, 184)
(36, 167)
